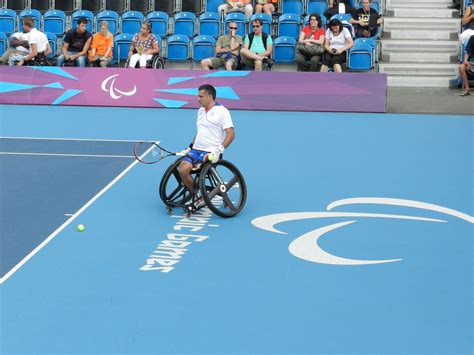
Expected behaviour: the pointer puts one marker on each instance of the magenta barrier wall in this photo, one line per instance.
(277, 91)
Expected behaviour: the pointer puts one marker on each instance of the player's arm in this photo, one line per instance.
(467, 16)
(32, 54)
(229, 136)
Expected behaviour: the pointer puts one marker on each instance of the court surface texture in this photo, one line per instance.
(356, 238)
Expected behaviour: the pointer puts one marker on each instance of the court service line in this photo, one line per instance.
(67, 155)
(75, 139)
(65, 224)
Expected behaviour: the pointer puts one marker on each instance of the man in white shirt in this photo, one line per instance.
(215, 132)
(38, 42)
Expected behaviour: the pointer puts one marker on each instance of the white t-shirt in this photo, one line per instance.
(338, 41)
(210, 127)
(21, 37)
(38, 38)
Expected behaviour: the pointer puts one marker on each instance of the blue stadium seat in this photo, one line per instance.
(83, 14)
(203, 47)
(284, 49)
(131, 21)
(210, 24)
(53, 42)
(178, 48)
(213, 5)
(54, 21)
(35, 14)
(159, 23)
(317, 6)
(266, 20)
(184, 23)
(292, 7)
(323, 20)
(289, 25)
(361, 56)
(341, 17)
(121, 48)
(237, 17)
(111, 17)
(3, 43)
(7, 21)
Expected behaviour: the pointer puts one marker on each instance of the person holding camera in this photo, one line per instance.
(337, 41)
(227, 51)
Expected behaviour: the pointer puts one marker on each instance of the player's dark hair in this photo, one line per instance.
(209, 89)
(81, 20)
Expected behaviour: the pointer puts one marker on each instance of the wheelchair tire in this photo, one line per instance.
(223, 188)
(158, 62)
(173, 193)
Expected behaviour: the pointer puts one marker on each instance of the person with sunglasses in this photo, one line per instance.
(244, 6)
(258, 47)
(227, 51)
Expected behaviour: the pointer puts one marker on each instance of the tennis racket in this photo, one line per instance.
(151, 152)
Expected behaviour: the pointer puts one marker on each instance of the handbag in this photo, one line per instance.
(315, 49)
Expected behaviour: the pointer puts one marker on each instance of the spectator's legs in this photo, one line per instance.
(9, 52)
(15, 58)
(258, 9)
(248, 11)
(143, 59)
(258, 64)
(465, 35)
(268, 9)
(81, 61)
(134, 60)
(337, 68)
(105, 63)
(465, 81)
(324, 68)
(314, 63)
(222, 9)
(206, 64)
(60, 61)
(301, 64)
(229, 65)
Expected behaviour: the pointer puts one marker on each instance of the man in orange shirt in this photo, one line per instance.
(101, 49)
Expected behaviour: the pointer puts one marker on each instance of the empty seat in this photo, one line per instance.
(213, 5)
(54, 21)
(3, 43)
(41, 5)
(111, 17)
(131, 21)
(159, 23)
(184, 24)
(83, 14)
(284, 49)
(7, 21)
(237, 17)
(121, 48)
(53, 42)
(203, 47)
(35, 14)
(266, 22)
(209, 24)
(91, 5)
(361, 57)
(317, 6)
(289, 25)
(292, 7)
(178, 48)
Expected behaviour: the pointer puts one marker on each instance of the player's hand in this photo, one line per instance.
(183, 152)
(216, 154)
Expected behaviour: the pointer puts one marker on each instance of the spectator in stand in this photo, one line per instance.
(310, 45)
(76, 44)
(244, 6)
(467, 66)
(21, 48)
(258, 47)
(366, 20)
(38, 44)
(101, 48)
(266, 6)
(144, 46)
(467, 23)
(337, 41)
(339, 7)
(227, 51)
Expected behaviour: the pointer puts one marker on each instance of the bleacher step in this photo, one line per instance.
(419, 45)
(419, 57)
(421, 12)
(416, 5)
(420, 69)
(421, 81)
(428, 34)
(403, 23)
(420, 2)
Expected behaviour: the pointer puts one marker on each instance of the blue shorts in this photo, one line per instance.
(195, 156)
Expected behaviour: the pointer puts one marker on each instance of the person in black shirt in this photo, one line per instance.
(366, 20)
(76, 44)
(333, 8)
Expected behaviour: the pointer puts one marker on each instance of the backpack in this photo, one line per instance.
(264, 39)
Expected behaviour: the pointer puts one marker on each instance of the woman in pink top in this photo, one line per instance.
(144, 46)
(310, 45)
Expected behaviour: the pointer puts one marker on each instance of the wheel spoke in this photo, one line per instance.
(227, 201)
(232, 182)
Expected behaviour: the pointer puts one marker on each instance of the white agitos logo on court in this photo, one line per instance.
(113, 91)
(306, 246)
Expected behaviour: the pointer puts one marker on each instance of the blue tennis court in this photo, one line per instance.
(357, 236)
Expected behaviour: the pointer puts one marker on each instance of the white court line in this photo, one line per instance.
(65, 224)
(68, 155)
(74, 139)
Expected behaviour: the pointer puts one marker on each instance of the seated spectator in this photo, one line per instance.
(227, 51)
(310, 45)
(144, 46)
(38, 44)
(337, 41)
(101, 48)
(339, 7)
(76, 45)
(258, 47)
(366, 20)
(467, 66)
(244, 6)
(21, 48)
(266, 6)
(468, 24)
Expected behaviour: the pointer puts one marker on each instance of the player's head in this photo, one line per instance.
(81, 25)
(28, 24)
(206, 95)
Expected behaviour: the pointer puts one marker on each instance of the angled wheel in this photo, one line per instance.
(172, 191)
(157, 62)
(223, 188)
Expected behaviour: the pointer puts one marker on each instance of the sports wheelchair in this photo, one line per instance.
(220, 184)
(156, 62)
(39, 61)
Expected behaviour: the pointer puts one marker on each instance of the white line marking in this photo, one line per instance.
(75, 139)
(68, 155)
(69, 214)
(65, 224)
